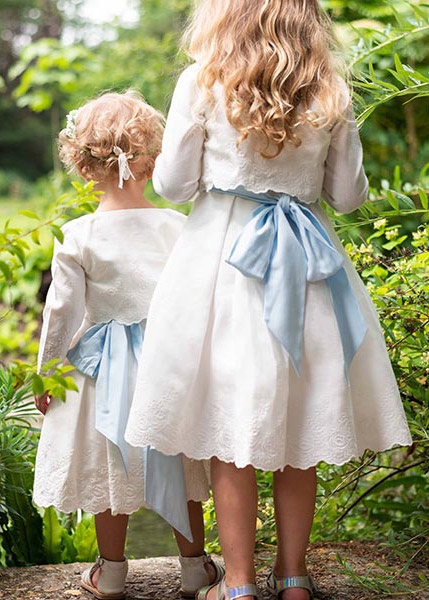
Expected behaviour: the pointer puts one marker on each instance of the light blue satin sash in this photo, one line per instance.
(285, 246)
(109, 353)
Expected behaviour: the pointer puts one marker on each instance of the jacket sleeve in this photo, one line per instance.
(345, 185)
(65, 303)
(178, 168)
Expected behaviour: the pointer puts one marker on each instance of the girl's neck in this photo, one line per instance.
(131, 196)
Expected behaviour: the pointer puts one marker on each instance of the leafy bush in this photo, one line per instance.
(66, 540)
(26, 537)
(20, 523)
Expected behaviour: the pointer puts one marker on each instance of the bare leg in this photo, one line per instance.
(196, 548)
(294, 501)
(111, 536)
(236, 502)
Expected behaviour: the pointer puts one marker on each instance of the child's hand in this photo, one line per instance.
(42, 402)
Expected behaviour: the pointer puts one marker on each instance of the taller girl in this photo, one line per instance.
(263, 349)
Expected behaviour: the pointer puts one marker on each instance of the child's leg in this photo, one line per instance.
(195, 548)
(294, 501)
(111, 537)
(236, 502)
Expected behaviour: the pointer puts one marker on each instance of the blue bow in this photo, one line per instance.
(109, 353)
(285, 246)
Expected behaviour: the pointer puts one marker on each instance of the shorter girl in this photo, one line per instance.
(104, 275)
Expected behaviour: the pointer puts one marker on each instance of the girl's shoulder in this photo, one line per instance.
(345, 92)
(79, 229)
(187, 83)
(189, 73)
(171, 214)
(73, 230)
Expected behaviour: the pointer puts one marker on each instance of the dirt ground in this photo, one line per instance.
(158, 578)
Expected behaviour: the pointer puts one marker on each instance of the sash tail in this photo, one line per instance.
(109, 353)
(285, 246)
(165, 489)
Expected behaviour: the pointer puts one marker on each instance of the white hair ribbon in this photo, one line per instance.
(124, 168)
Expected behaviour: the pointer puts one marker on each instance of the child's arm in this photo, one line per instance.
(65, 303)
(178, 168)
(345, 186)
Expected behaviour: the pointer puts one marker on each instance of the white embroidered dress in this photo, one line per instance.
(213, 380)
(107, 269)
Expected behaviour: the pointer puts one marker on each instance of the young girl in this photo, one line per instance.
(263, 349)
(104, 275)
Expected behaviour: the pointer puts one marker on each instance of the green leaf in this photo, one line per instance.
(6, 270)
(30, 214)
(58, 234)
(423, 198)
(69, 552)
(86, 206)
(52, 532)
(392, 199)
(35, 236)
(38, 385)
(78, 187)
(424, 171)
(407, 481)
(85, 540)
(70, 384)
(420, 12)
(19, 252)
(400, 68)
(397, 181)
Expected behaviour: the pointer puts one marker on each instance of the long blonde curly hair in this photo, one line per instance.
(274, 59)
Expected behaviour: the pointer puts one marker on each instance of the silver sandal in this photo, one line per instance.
(226, 593)
(195, 575)
(277, 585)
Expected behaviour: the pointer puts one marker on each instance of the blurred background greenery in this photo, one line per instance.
(54, 55)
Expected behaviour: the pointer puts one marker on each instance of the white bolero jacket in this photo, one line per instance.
(106, 269)
(200, 152)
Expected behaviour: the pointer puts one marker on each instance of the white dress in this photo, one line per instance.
(225, 386)
(107, 269)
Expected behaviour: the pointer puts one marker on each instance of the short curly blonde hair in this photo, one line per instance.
(112, 119)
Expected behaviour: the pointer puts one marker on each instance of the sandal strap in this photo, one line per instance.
(95, 567)
(203, 592)
(226, 593)
(279, 584)
(219, 570)
(249, 589)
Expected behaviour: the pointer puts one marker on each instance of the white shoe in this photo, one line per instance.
(111, 583)
(195, 574)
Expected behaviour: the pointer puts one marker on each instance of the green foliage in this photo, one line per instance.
(20, 523)
(48, 71)
(16, 242)
(52, 539)
(25, 537)
(388, 59)
(71, 543)
(85, 540)
(385, 581)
